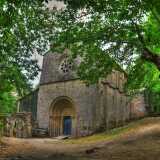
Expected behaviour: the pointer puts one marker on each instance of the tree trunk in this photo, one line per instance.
(151, 57)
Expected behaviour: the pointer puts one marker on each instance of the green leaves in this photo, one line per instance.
(144, 75)
(108, 32)
(94, 64)
(7, 102)
(152, 34)
(23, 30)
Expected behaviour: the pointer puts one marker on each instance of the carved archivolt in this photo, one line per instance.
(59, 109)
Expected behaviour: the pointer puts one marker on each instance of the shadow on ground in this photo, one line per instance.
(51, 157)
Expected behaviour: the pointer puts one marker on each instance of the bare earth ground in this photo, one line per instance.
(139, 140)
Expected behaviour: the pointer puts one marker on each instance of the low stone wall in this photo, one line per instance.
(19, 125)
(138, 107)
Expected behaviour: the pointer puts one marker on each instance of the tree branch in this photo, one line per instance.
(151, 57)
(138, 31)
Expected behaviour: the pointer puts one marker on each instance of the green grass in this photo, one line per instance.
(110, 135)
(114, 133)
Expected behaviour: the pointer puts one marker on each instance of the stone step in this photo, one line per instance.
(39, 132)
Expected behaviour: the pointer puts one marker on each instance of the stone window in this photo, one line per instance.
(66, 66)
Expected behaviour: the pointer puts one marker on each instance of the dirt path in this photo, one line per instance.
(139, 142)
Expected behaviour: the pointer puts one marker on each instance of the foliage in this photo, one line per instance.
(22, 33)
(7, 102)
(106, 34)
(144, 75)
(103, 32)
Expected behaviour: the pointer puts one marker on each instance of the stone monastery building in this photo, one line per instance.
(65, 105)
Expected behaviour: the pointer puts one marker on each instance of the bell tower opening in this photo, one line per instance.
(62, 117)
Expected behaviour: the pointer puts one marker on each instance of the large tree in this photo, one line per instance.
(103, 32)
(23, 28)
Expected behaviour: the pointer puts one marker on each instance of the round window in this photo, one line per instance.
(66, 66)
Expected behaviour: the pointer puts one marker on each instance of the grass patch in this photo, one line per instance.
(114, 133)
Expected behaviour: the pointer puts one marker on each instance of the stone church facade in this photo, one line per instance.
(65, 105)
(65, 101)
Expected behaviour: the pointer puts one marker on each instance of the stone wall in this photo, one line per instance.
(104, 105)
(29, 104)
(19, 125)
(116, 104)
(51, 69)
(85, 99)
(138, 107)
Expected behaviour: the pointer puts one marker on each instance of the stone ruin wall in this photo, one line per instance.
(119, 108)
(115, 103)
(138, 107)
(18, 125)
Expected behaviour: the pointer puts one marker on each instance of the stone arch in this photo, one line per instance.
(61, 108)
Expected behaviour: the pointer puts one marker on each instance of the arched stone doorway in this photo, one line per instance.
(62, 117)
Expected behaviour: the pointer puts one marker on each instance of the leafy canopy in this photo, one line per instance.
(103, 32)
(106, 34)
(23, 28)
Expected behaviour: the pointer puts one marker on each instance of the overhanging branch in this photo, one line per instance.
(151, 57)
